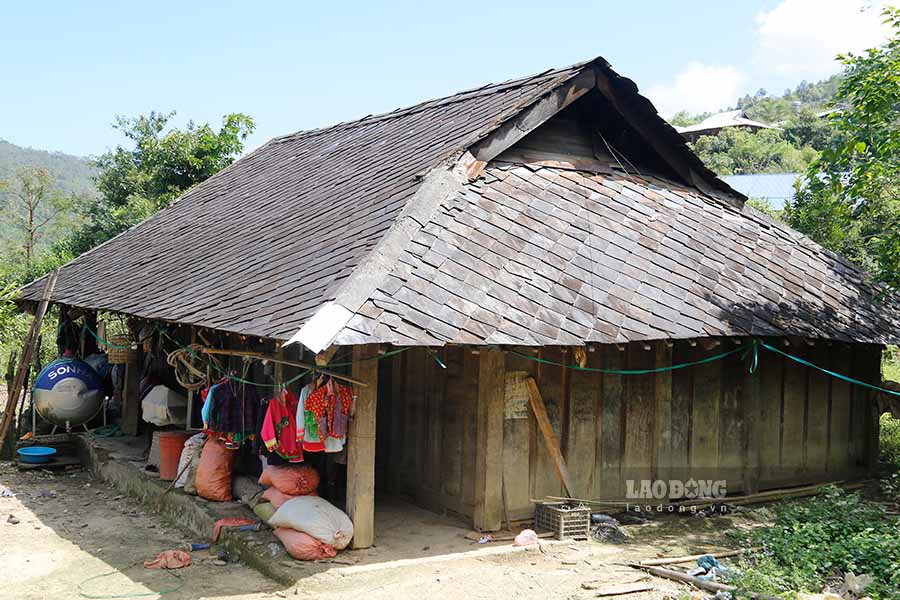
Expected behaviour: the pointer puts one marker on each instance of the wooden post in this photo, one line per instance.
(751, 415)
(131, 401)
(489, 440)
(361, 447)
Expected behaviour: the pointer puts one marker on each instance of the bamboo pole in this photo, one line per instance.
(709, 586)
(301, 365)
(674, 560)
(25, 359)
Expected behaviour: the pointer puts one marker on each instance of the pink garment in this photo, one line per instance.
(279, 430)
(169, 559)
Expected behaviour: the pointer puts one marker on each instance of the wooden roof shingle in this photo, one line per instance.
(371, 221)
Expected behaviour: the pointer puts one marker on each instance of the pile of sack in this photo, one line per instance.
(309, 527)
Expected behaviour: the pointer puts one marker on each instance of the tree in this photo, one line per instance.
(34, 206)
(683, 118)
(736, 151)
(806, 128)
(850, 198)
(160, 164)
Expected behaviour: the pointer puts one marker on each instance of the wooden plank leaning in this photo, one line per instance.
(25, 358)
(539, 409)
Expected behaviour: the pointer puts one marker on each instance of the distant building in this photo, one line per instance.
(777, 188)
(719, 121)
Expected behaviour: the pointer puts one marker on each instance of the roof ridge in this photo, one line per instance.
(482, 90)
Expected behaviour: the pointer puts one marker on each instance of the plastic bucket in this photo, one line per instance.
(171, 443)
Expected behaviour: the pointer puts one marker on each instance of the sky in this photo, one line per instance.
(68, 68)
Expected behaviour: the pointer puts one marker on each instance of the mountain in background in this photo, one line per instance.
(72, 174)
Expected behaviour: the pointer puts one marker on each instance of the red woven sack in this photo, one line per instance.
(303, 546)
(294, 481)
(213, 480)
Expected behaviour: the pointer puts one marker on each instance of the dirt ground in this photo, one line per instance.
(73, 530)
(78, 538)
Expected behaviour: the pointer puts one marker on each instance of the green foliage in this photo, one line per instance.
(850, 200)
(890, 486)
(765, 206)
(683, 118)
(890, 363)
(832, 534)
(778, 109)
(34, 208)
(159, 165)
(72, 177)
(805, 128)
(889, 439)
(736, 151)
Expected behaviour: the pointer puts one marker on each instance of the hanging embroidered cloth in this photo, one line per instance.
(326, 414)
(231, 412)
(279, 430)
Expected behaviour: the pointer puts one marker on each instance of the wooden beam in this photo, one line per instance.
(540, 413)
(34, 332)
(489, 440)
(361, 448)
(532, 117)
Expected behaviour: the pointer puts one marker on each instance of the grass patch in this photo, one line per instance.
(889, 439)
(820, 538)
(890, 363)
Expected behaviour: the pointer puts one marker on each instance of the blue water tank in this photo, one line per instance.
(68, 392)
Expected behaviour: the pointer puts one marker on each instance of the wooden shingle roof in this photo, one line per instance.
(391, 229)
(536, 255)
(257, 248)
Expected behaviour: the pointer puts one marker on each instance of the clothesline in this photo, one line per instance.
(261, 356)
(753, 347)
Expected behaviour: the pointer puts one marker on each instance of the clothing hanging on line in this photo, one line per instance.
(279, 429)
(326, 415)
(307, 428)
(230, 412)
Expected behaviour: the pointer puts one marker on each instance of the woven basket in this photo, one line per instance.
(121, 356)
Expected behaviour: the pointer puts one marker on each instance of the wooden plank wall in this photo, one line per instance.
(427, 428)
(693, 422)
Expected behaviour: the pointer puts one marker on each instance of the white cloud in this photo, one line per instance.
(802, 37)
(697, 88)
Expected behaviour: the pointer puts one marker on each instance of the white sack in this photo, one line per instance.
(192, 444)
(316, 517)
(163, 406)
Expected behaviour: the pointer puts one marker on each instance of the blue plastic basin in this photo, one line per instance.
(36, 454)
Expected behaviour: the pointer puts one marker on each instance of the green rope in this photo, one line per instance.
(631, 371)
(97, 337)
(376, 357)
(290, 381)
(826, 371)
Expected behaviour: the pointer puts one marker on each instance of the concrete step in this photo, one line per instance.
(195, 516)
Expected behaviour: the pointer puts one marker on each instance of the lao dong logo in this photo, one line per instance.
(675, 489)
